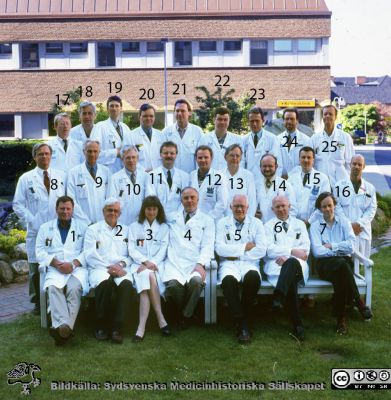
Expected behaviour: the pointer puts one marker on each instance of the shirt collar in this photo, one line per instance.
(148, 131)
(114, 123)
(67, 226)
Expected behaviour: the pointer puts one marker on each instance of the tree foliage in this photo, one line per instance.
(353, 117)
(210, 101)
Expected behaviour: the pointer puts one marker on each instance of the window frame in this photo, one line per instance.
(35, 44)
(275, 41)
(207, 41)
(131, 51)
(8, 54)
(97, 58)
(233, 41)
(306, 50)
(161, 44)
(78, 52)
(54, 52)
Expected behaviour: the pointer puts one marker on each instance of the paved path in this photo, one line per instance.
(14, 301)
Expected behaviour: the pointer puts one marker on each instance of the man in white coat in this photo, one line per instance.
(211, 184)
(108, 262)
(268, 186)
(167, 181)
(291, 141)
(190, 248)
(308, 184)
(88, 183)
(66, 152)
(220, 139)
(356, 198)
(35, 203)
(146, 138)
(259, 142)
(59, 251)
(85, 130)
(111, 134)
(288, 246)
(240, 180)
(333, 148)
(240, 244)
(185, 135)
(130, 185)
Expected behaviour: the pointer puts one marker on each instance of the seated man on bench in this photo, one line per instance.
(241, 244)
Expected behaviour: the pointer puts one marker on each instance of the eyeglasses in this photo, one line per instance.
(238, 206)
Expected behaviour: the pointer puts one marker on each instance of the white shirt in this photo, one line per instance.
(78, 133)
(65, 160)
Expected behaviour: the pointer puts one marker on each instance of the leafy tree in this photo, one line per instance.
(353, 117)
(210, 101)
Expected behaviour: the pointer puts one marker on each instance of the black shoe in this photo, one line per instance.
(58, 340)
(65, 331)
(137, 339)
(116, 337)
(184, 323)
(244, 336)
(277, 305)
(298, 333)
(36, 310)
(166, 331)
(365, 311)
(100, 335)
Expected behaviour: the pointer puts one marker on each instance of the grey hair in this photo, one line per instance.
(37, 146)
(88, 141)
(110, 201)
(84, 104)
(127, 148)
(59, 116)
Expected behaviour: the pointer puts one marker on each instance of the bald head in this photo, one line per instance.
(189, 198)
(357, 165)
(239, 207)
(280, 207)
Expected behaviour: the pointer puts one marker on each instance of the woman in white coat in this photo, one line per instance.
(148, 241)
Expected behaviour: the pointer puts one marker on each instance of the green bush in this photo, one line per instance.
(10, 240)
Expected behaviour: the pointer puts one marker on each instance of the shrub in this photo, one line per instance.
(10, 240)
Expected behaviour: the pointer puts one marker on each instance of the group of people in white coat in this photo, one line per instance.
(260, 192)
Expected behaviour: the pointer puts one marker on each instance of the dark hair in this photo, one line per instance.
(145, 107)
(221, 111)
(331, 106)
(183, 101)
(256, 110)
(323, 196)
(232, 147)
(169, 144)
(113, 98)
(307, 148)
(152, 201)
(270, 155)
(64, 199)
(293, 110)
(203, 147)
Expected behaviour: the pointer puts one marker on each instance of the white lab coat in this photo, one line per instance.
(183, 254)
(290, 157)
(87, 193)
(78, 133)
(34, 206)
(231, 242)
(333, 154)
(186, 147)
(148, 243)
(130, 196)
(104, 246)
(241, 183)
(170, 198)
(210, 139)
(148, 151)
(281, 243)
(49, 245)
(110, 141)
(267, 144)
(213, 193)
(62, 160)
(358, 207)
(306, 195)
(265, 197)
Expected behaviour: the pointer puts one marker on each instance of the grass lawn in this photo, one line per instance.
(210, 353)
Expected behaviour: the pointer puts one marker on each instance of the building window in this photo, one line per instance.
(131, 47)
(232, 45)
(5, 49)
(7, 125)
(183, 53)
(283, 45)
(208, 45)
(54, 48)
(258, 52)
(155, 47)
(306, 45)
(79, 47)
(30, 55)
(106, 54)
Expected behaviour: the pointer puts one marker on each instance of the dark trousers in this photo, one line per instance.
(184, 297)
(109, 315)
(34, 283)
(286, 289)
(339, 271)
(240, 308)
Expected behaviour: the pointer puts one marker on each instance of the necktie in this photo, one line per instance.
(289, 142)
(285, 226)
(65, 144)
(181, 132)
(92, 173)
(46, 181)
(133, 178)
(268, 183)
(187, 218)
(169, 179)
(149, 134)
(255, 140)
(306, 179)
(118, 129)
